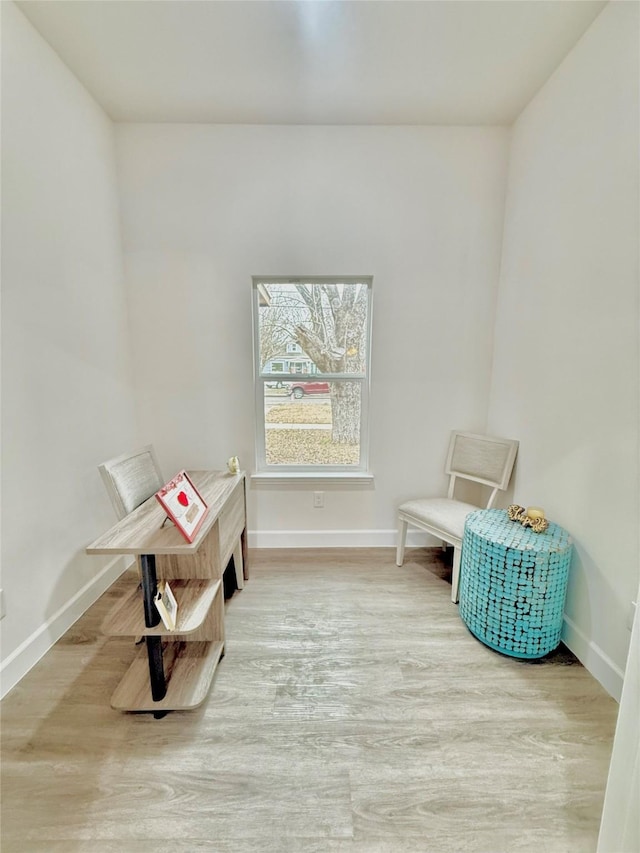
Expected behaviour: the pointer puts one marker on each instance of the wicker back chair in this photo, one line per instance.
(480, 458)
(131, 478)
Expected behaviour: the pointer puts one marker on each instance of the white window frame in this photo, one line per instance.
(276, 473)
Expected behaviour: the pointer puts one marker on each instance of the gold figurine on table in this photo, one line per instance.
(532, 517)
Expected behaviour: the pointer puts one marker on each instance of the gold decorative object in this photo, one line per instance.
(535, 512)
(538, 525)
(536, 521)
(516, 512)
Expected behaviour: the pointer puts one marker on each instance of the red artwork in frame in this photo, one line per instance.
(183, 504)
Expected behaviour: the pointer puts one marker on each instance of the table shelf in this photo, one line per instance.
(194, 598)
(189, 670)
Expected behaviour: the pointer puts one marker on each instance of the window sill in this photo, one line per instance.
(304, 478)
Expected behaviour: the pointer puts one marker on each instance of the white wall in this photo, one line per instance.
(206, 207)
(565, 376)
(67, 400)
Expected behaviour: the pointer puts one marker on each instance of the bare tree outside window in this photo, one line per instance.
(320, 421)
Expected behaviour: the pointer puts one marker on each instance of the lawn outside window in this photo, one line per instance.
(312, 344)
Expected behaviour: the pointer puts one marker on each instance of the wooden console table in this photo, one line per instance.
(175, 670)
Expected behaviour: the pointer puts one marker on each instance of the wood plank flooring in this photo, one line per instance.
(353, 713)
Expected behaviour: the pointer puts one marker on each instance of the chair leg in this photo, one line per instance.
(237, 563)
(402, 536)
(455, 574)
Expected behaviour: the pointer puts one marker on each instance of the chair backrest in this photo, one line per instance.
(483, 459)
(131, 479)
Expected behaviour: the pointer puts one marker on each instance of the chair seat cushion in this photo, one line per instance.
(442, 514)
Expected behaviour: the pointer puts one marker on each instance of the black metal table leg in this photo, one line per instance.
(156, 670)
(149, 589)
(152, 618)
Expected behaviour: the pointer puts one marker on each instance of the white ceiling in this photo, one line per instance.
(313, 61)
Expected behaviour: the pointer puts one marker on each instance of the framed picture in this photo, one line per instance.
(183, 504)
(167, 605)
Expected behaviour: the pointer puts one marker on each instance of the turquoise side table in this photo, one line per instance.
(513, 583)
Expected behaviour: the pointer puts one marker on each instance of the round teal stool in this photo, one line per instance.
(513, 583)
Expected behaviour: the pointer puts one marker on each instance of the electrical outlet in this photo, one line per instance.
(3, 612)
(318, 500)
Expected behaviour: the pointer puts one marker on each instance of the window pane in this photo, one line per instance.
(310, 422)
(313, 328)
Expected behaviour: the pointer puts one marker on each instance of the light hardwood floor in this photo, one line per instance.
(353, 713)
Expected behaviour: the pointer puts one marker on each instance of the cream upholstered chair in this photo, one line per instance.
(480, 458)
(131, 478)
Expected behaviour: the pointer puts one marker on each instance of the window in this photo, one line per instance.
(314, 418)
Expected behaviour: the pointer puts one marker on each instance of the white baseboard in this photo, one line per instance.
(336, 539)
(29, 652)
(593, 658)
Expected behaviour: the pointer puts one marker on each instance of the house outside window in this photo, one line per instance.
(312, 344)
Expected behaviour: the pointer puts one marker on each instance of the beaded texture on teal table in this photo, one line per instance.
(513, 583)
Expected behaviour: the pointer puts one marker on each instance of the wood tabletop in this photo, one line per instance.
(141, 532)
